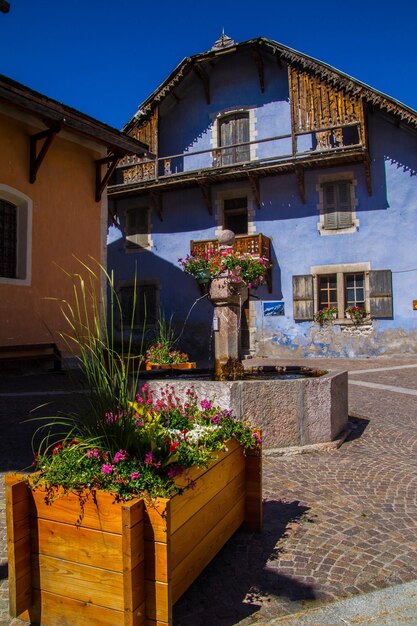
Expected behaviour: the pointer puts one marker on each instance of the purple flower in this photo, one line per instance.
(107, 468)
(149, 458)
(120, 456)
(206, 405)
(135, 475)
(174, 470)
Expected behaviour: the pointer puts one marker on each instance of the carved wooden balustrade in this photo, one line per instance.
(256, 245)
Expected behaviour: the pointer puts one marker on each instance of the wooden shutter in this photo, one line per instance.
(303, 297)
(344, 209)
(234, 129)
(137, 227)
(337, 206)
(242, 135)
(380, 294)
(330, 206)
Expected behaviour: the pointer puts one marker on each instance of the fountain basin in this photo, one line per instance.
(292, 412)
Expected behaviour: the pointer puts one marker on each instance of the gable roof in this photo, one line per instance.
(293, 58)
(52, 112)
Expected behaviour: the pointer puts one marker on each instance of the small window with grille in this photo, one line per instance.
(8, 240)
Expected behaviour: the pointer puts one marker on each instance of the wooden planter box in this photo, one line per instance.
(123, 563)
(170, 366)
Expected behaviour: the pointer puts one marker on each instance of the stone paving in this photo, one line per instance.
(336, 524)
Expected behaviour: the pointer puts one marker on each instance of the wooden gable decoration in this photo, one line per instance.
(320, 106)
(148, 134)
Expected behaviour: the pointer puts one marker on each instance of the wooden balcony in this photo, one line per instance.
(256, 245)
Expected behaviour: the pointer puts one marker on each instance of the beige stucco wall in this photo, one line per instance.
(66, 223)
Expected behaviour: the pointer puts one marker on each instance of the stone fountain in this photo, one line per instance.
(308, 408)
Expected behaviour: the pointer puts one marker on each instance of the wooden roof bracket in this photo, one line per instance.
(254, 183)
(260, 67)
(156, 198)
(101, 182)
(35, 158)
(367, 168)
(299, 172)
(203, 76)
(206, 191)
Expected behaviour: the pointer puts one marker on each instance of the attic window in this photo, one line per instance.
(234, 130)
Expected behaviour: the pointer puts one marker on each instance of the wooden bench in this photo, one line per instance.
(20, 354)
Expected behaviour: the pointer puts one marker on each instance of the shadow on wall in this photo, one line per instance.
(176, 294)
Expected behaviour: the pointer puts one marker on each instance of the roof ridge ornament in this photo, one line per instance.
(223, 42)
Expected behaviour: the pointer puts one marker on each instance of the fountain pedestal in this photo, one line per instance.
(227, 298)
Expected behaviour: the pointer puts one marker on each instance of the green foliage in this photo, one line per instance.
(162, 350)
(167, 436)
(241, 266)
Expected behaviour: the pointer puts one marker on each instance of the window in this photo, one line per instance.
(137, 228)
(235, 211)
(342, 286)
(15, 237)
(235, 215)
(234, 129)
(8, 239)
(330, 293)
(144, 309)
(337, 204)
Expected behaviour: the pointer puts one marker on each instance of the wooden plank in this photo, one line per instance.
(18, 546)
(60, 610)
(157, 519)
(79, 544)
(193, 531)
(133, 564)
(156, 561)
(188, 570)
(99, 512)
(158, 602)
(185, 506)
(79, 582)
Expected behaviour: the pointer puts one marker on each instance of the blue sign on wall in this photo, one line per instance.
(274, 308)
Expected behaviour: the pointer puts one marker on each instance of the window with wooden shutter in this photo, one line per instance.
(337, 205)
(303, 297)
(380, 294)
(234, 130)
(137, 228)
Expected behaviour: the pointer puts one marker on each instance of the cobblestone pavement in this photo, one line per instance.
(336, 524)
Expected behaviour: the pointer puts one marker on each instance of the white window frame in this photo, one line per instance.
(334, 178)
(340, 271)
(238, 192)
(24, 206)
(252, 129)
(140, 241)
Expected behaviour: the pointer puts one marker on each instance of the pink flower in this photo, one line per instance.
(120, 456)
(93, 453)
(107, 468)
(206, 404)
(135, 475)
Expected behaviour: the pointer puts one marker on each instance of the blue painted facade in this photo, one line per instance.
(384, 238)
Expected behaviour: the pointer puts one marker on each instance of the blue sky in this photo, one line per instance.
(105, 57)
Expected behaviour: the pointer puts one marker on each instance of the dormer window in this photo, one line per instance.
(233, 130)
